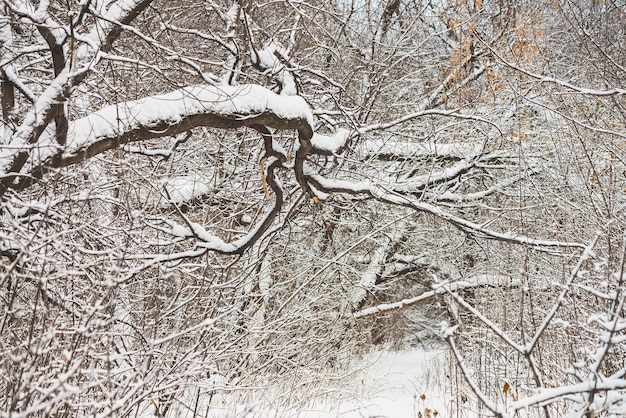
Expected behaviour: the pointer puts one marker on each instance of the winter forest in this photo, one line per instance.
(221, 205)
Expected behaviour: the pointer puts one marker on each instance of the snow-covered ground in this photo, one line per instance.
(398, 385)
(389, 384)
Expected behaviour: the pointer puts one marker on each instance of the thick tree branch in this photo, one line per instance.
(172, 113)
(8, 97)
(58, 64)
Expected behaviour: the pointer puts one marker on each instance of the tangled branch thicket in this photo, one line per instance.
(206, 202)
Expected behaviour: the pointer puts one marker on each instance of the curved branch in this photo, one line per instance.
(209, 242)
(170, 114)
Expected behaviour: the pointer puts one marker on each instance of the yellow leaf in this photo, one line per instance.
(506, 388)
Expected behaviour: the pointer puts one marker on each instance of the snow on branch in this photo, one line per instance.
(376, 266)
(547, 396)
(382, 194)
(108, 27)
(208, 242)
(438, 289)
(428, 112)
(385, 149)
(450, 197)
(24, 140)
(173, 113)
(270, 59)
(204, 105)
(418, 184)
(552, 80)
(330, 144)
(11, 75)
(480, 281)
(28, 137)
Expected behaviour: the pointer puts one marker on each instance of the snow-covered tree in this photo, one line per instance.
(201, 197)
